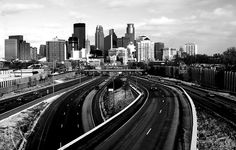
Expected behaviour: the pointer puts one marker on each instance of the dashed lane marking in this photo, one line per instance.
(148, 131)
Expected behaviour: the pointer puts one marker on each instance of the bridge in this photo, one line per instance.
(115, 70)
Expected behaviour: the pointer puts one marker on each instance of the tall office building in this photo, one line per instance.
(123, 42)
(190, 49)
(42, 50)
(33, 53)
(87, 48)
(158, 50)
(23, 48)
(55, 50)
(145, 49)
(20, 45)
(79, 32)
(130, 32)
(26, 52)
(169, 53)
(11, 49)
(110, 42)
(72, 47)
(99, 38)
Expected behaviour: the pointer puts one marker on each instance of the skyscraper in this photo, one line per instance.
(158, 50)
(123, 42)
(23, 48)
(130, 32)
(99, 38)
(11, 49)
(20, 46)
(145, 49)
(55, 50)
(42, 50)
(33, 53)
(72, 46)
(190, 49)
(79, 32)
(110, 42)
(87, 48)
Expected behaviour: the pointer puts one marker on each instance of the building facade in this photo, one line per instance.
(158, 50)
(33, 53)
(145, 49)
(123, 42)
(110, 42)
(87, 48)
(72, 46)
(55, 51)
(190, 49)
(79, 32)
(130, 32)
(22, 51)
(169, 54)
(11, 49)
(42, 50)
(99, 38)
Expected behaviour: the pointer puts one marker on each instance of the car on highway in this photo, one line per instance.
(154, 87)
(209, 94)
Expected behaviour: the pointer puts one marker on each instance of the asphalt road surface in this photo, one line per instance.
(150, 127)
(61, 122)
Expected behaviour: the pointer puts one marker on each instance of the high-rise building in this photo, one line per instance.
(158, 50)
(130, 32)
(42, 50)
(79, 32)
(145, 49)
(20, 46)
(190, 49)
(99, 38)
(55, 50)
(87, 48)
(169, 53)
(110, 42)
(72, 47)
(23, 48)
(26, 52)
(123, 42)
(33, 53)
(11, 49)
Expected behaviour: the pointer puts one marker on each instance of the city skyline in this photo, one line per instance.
(210, 24)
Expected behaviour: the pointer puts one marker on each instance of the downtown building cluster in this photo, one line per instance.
(107, 49)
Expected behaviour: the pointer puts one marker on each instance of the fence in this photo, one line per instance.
(218, 79)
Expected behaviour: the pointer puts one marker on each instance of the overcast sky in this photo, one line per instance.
(211, 24)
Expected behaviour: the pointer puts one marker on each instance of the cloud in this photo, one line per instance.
(222, 12)
(78, 15)
(59, 2)
(162, 21)
(125, 3)
(13, 8)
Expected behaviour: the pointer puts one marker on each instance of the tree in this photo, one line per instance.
(229, 56)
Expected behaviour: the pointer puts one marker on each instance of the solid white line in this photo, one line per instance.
(148, 131)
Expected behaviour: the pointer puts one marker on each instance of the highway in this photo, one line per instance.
(19, 102)
(150, 127)
(159, 120)
(61, 122)
(224, 107)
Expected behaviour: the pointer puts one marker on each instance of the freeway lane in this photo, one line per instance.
(87, 117)
(150, 126)
(61, 122)
(218, 104)
(59, 88)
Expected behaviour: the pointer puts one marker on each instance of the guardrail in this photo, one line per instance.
(94, 136)
(193, 144)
